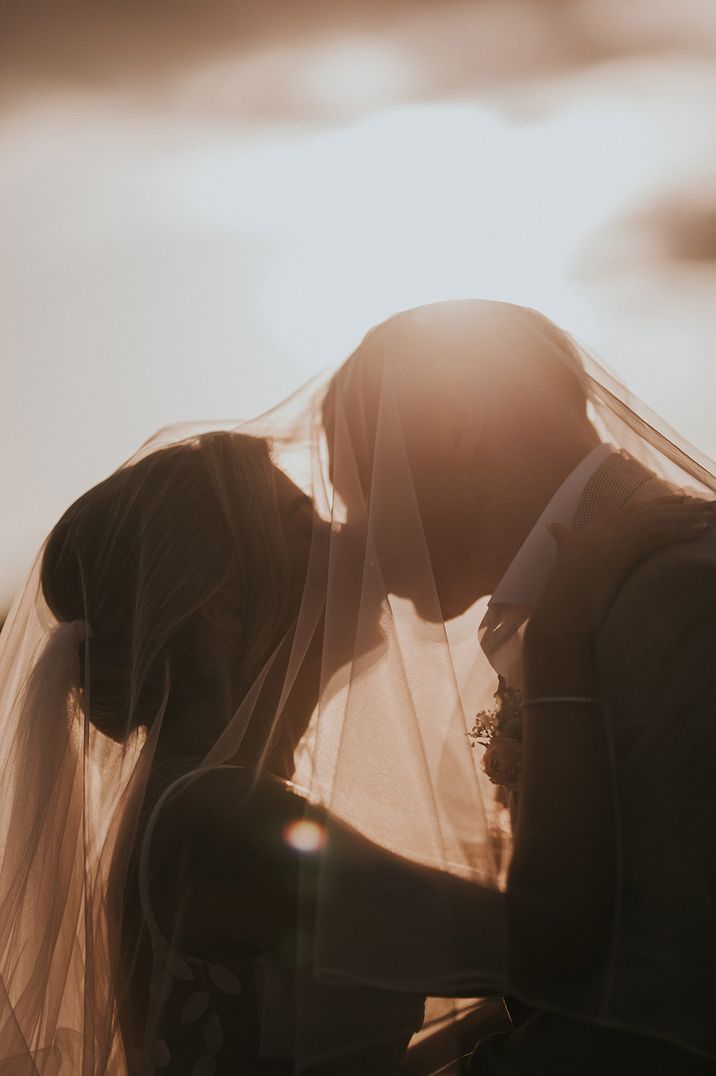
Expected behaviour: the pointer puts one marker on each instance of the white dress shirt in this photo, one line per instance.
(522, 585)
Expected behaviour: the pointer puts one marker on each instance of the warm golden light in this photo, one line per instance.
(201, 252)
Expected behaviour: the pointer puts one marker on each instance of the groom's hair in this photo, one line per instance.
(470, 362)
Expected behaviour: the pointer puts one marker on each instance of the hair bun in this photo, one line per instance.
(119, 697)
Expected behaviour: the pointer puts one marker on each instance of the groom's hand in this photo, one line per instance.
(592, 564)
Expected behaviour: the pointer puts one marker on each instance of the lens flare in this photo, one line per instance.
(305, 836)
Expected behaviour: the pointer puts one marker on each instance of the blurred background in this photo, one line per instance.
(203, 205)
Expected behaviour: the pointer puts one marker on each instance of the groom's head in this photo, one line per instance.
(472, 412)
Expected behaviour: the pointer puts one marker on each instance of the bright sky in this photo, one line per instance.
(162, 262)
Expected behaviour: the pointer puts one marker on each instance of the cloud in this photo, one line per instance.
(247, 56)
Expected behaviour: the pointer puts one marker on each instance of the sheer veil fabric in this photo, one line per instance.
(363, 691)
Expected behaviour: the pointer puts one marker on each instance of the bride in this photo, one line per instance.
(242, 828)
(183, 573)
(176, 585)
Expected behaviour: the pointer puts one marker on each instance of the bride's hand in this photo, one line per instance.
(592, 564)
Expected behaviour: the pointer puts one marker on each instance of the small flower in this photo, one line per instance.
(505, 719)
(502, 762)
(500, 731)
(511, 728)
(484, 729)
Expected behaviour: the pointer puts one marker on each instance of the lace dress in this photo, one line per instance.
(212, 947)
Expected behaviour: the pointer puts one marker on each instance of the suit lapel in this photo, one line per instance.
(619, 481)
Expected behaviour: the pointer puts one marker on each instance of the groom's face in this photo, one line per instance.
(440, 427)
(409, 494)
(443, 526)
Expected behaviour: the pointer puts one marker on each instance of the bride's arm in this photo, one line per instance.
(393, 922)
(561, 881)
(225, 873)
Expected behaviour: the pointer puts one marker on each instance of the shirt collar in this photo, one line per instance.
(525, 579)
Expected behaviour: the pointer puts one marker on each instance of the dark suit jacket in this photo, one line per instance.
(656, 653)
(657, 661)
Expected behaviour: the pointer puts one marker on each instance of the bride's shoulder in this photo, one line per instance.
(216, 857)
(209, 804)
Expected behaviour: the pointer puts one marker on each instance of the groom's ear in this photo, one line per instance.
(444, 446)
(463, 422)
(448, 432)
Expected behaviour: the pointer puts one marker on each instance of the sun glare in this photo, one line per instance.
(189, 268)
(355, 75)
(305, 836)
(418, 203)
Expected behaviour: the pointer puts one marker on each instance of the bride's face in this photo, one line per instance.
(298, 521)
(300, 524)
(226, 634)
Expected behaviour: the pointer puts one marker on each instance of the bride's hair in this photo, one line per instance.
(186, 528)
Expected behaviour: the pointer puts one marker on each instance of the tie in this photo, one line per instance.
(500, 635)
(619, 481)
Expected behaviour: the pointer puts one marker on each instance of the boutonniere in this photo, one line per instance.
(499, 730)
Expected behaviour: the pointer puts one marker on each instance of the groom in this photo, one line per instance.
(497, 443)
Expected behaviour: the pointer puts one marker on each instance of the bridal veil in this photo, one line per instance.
(385, 747)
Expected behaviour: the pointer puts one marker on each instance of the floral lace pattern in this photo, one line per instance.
(191, 998)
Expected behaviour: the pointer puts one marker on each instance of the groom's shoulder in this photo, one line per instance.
(664, 597)
(674, 575)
